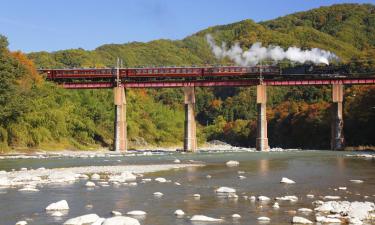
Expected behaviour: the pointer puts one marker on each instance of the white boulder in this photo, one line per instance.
(357, 181)
(291, 198)
(158, 194)
(56, 206)
(305, 210)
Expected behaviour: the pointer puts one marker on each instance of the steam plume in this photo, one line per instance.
(258, 53)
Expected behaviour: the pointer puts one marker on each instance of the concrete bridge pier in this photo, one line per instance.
(262, 139)
(337, 121)
(190, 137)
(120, 142)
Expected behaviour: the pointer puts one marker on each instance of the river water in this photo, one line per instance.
(315, 172)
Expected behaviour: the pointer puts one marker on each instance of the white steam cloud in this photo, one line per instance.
(258, 53)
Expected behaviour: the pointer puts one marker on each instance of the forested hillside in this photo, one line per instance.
(298, 117)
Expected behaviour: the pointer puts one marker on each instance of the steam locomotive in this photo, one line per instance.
(198, 72)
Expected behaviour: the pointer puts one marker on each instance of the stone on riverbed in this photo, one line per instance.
(121, 220)
(56, 206)
(328, 197)
(300, 220)
(116, 213)
(123, 177)
(28, 189)
(225, 190)
(286, 180)
(305, 210)
(160, 180)
(203, 218)
(95, 176)
(323, 219)
(81, 220)
(99, 221)
(291, 198)
(57, 214)
(179, 212)
(263, 198)
(232, 163)
(264, 219)
(158, 194)
(236, 216)
(136, 213)
(90, 184)
(359, 210)
(357, 181)
(4, 181)
(21, 222)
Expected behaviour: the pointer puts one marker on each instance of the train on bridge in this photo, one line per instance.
(196, 73)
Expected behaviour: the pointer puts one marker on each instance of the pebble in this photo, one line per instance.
(95, 176)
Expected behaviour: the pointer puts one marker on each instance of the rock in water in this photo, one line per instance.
(263, 219)
(60, 205)
(305, 210)
(236, 216)
(232, 163)
(179, 212)
(90, 184)
(286, 180)
(225, 190)
(95, 176)
(158, 194)
(116, 213)
(160, 180)
(99, 221)
(136, 213)
(21, 222)
(263, 198)
(204, 218)
(357, 181)
(80, 220)
(300, 220)
(121, 220)
(57, 214)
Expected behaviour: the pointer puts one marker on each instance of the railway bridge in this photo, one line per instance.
(188, 78)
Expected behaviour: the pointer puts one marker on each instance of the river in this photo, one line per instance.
(315, 172)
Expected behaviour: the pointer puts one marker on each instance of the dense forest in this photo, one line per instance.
(38, 114)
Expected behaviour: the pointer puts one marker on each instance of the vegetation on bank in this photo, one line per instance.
(37, 114)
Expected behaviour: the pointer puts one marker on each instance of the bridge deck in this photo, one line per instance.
(218, 83)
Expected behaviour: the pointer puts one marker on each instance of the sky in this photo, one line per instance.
(51, 25)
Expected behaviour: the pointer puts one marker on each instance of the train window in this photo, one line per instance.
(183, 70)
(178, 71)
(149, 71)
(155, 71)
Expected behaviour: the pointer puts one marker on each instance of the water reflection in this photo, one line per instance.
(264, 166)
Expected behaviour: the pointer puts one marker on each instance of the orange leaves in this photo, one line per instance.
(216, 103)
(31, 76)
